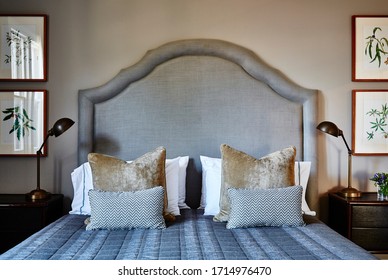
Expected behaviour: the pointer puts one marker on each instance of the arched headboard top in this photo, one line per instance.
(245, 58)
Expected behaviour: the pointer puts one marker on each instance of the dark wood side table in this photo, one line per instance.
(19, 217)
(364, 220)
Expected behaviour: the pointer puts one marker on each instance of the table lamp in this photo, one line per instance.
(332, 129)
(59, 127)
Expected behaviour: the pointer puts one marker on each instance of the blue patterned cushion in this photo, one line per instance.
(126, 210)
(265, 207)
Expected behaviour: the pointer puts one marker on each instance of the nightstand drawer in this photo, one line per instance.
(372, 239)
(370, 216)
(21, 218)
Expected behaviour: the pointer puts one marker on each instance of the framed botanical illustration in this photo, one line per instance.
(370, 122)
(23, 48)
(23, 122)
(370, 48)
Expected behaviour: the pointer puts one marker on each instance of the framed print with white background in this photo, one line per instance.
(370, 48)
(23, 122)
(369, 122)
(23, 48)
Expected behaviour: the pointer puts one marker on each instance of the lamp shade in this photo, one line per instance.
(60, 126)
(330, 128)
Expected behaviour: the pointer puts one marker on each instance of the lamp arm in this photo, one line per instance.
(44, 143)
(38, 155)
(347, 146)
(349, 162)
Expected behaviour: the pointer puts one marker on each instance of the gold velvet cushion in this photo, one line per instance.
(240, 170)
(145, 172)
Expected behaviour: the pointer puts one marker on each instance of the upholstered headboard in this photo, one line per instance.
(191, 96)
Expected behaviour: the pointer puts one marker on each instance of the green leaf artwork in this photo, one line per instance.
(376, 47)
(20, 46)
(379, 125)
(22, 122)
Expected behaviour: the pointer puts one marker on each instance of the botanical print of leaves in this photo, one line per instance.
(377, 47)
(22, 122)
(19, 44)
(379, 125)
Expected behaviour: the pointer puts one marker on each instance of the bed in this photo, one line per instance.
(201, 113)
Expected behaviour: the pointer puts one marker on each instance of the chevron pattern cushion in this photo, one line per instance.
(126, 210)
(269, 207)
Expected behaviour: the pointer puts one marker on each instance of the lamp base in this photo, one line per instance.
(38, 194)
(350, 192)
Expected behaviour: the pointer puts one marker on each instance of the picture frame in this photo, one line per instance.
(370, 48)
(370, 122)
(23, 48)
(23, 122)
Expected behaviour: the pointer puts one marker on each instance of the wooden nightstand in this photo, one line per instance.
(19, 217)
(364, 220)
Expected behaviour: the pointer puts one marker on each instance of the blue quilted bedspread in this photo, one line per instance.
(192, 236)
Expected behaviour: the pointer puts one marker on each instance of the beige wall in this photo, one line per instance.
(91, 40)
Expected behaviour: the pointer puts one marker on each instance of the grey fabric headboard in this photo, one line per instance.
(191, 96)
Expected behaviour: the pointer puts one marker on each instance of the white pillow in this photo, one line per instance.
(211, 184)
(172, 184)
(183, 162)
(82, 180)
(302, 174)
